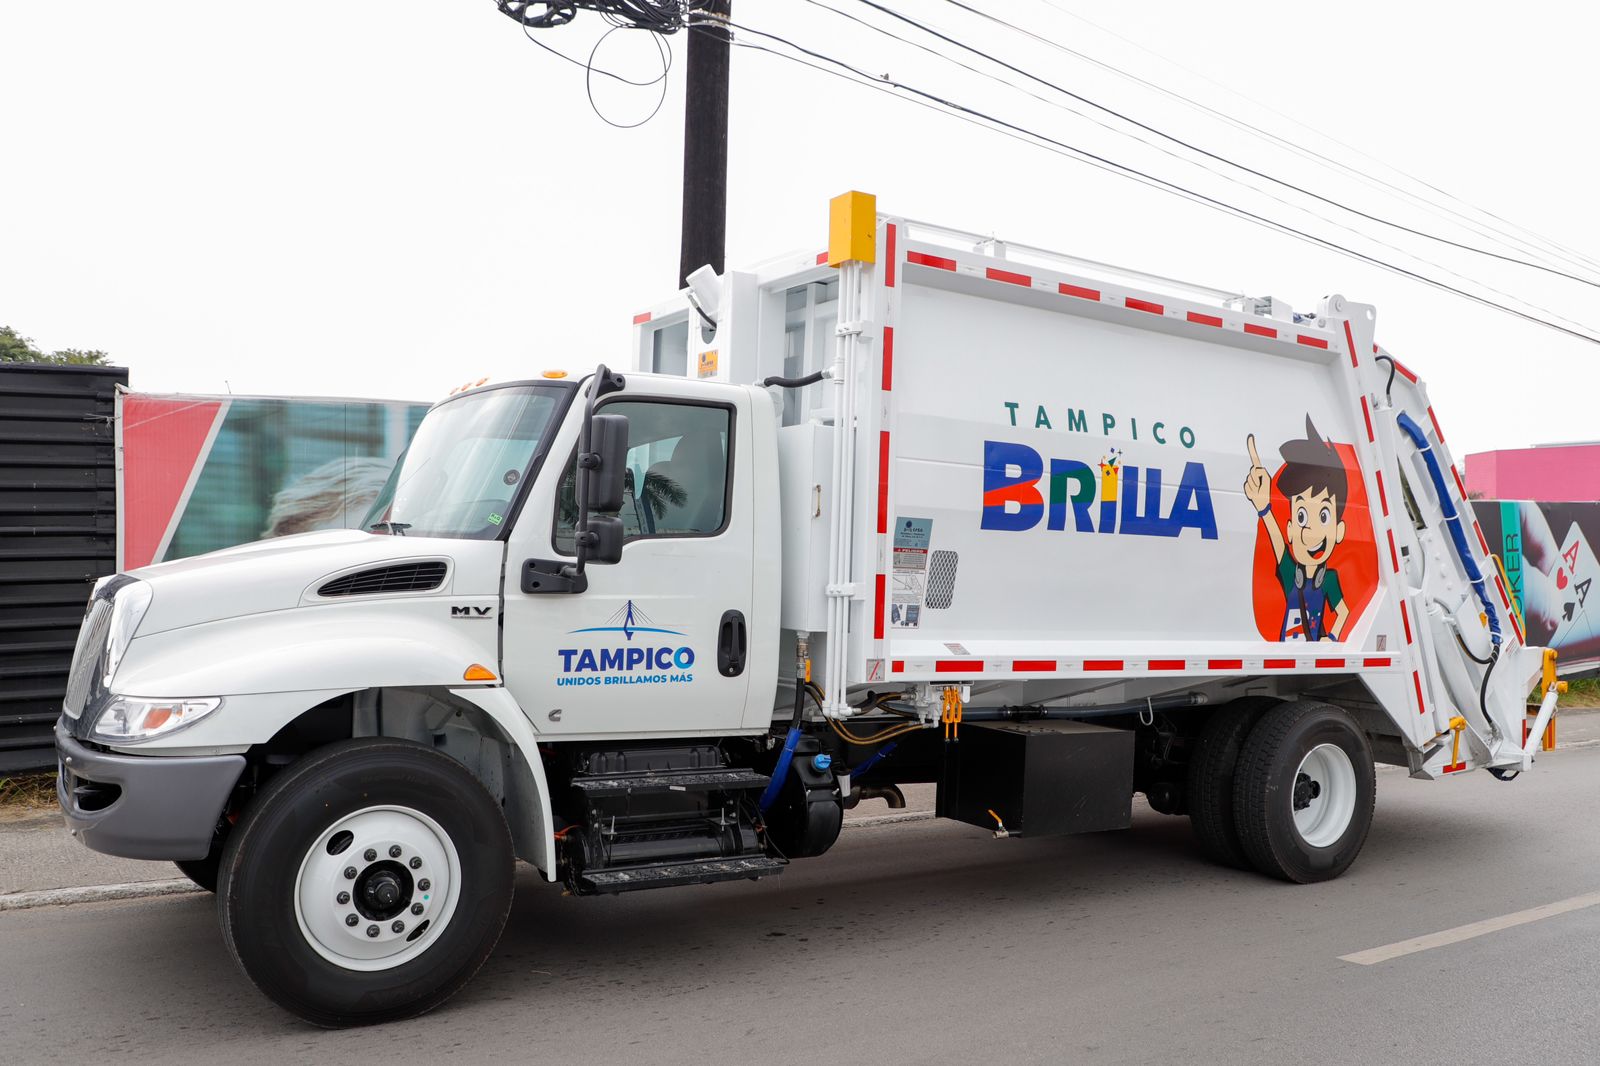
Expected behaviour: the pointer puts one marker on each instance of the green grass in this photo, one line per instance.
(28, 792)
(1585, 693)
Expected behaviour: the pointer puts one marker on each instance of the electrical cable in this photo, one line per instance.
(988, 121)
(1202, 166)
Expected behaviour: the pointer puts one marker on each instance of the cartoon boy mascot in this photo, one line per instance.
(1313, 479)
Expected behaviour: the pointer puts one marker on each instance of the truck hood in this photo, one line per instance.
(286, 572)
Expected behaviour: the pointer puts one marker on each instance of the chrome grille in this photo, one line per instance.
(397, 577)
(86, 656)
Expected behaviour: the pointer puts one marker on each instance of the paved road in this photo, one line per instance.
(933, 942)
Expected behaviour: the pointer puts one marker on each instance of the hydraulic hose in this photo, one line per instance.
(780, 772)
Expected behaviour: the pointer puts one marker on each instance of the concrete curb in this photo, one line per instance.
(56, 897)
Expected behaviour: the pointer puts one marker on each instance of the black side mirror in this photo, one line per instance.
(606, 461)
(604, 537)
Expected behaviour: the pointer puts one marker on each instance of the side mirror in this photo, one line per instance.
(604, 539)
(606, 461)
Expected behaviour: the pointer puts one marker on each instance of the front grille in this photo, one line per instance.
(86, 656)
(397, 577)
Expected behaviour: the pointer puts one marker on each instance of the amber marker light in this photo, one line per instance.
(478, 673)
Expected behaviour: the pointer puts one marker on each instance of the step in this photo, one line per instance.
(725, 779)
(669, 875)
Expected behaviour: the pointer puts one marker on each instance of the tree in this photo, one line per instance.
(15, 348)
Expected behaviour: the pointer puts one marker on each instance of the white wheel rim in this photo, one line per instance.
(393, 894)
(1324, 795)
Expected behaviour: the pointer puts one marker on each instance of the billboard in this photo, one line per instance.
(199, 473)
(1547, 549)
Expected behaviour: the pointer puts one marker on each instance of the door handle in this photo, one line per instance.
(732, 642)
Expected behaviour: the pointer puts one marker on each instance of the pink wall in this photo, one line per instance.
(1562, 473)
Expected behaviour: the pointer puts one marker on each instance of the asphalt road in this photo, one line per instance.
(933, 942)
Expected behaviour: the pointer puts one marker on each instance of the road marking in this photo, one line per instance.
(1473, 929)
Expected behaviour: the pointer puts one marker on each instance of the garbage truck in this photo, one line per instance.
(921, 507)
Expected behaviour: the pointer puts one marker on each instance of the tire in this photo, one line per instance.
(1209, 787)
(1304, 792)
(286, 894)
(202, 872)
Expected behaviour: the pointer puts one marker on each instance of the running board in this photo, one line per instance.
(671, 875)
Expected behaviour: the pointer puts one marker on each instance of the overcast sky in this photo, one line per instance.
(343, 199)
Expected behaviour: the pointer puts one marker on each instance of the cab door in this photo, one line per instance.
(658, 643)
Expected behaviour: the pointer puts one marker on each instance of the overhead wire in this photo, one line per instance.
(1051, 102)
(1189, 145)
(978, 117)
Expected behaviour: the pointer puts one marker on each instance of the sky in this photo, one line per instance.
(332, 199)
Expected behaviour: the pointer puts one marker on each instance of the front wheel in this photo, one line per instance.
(1304, 792)
(368, 882)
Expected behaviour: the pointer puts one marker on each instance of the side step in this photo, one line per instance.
(724, 779)
(670, 875)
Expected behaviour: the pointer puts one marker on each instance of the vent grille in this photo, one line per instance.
(91, 642)
(941, 579)
(399, 577)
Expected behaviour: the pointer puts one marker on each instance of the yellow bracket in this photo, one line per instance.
(852, 228)
(1550, 679)
(1458, 725)
(950, 714)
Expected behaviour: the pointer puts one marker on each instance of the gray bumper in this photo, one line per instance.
(143, 806)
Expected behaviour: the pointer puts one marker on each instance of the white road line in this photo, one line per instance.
(1474, 929)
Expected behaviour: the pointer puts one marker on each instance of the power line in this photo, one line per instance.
(1072, 151)
(1203, 151)
(1200, 164)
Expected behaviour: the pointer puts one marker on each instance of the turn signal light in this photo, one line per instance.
(478, 673)
(555, 373)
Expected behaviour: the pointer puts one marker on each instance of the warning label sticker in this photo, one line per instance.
(908, 581)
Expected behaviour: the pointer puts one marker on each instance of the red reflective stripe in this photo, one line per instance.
(958, 666)
(1205, 320)
(641, 319)
(1035, 666)
(1405, 371)
(1007, 276)
(1456, 767)
(1351, 338)
(1144, 305)
(1168, 664)
(1079, 291)
(822, 257)
(1383, 497)
(1330, 664)
(923, 259)
(888, 358)
(1405, 616)
(889, 256)
(1376, 662)
(1260, 331)
(1225, 664)
(1102, 664)
(1461, 486)
(877, 610)
(1366, 416)
(1500, 587)
(1437, 432)
(897, 666)
(1416, 679)
(1482, 541)
(883, 481)
(1394, 557)
(1279, 664)
(1310, 342)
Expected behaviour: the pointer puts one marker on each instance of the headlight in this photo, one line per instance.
(127, 611)
(129, 718)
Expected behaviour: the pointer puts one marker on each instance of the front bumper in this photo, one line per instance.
(142, 806)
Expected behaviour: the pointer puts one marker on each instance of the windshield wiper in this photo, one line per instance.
(397, 528)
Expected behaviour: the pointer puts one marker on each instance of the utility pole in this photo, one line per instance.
(705, 144)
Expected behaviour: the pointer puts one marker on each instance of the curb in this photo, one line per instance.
(56, 897)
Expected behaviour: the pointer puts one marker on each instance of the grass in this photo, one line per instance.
(27, 792)
(1585, 693)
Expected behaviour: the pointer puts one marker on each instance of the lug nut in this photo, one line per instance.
(394, 851)
(349, 873)
(416, 908)
(416, 862)
(370, 854)
(398, 926)
(342, 898)
(351, 919)
(424, 884)
(372, 930)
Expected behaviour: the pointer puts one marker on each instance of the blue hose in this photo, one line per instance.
(780, 772)
(1452, 521)
(871, 761)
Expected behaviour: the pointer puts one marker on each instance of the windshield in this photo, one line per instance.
(466, 464)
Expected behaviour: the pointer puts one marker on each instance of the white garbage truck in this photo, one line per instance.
(922, 507)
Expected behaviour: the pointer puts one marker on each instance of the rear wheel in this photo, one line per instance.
(1209, 786)
(367, 882)
(1304, 792)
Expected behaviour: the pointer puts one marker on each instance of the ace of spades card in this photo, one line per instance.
(1575, 574)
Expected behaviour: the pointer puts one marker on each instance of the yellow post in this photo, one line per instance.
(852, 228)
